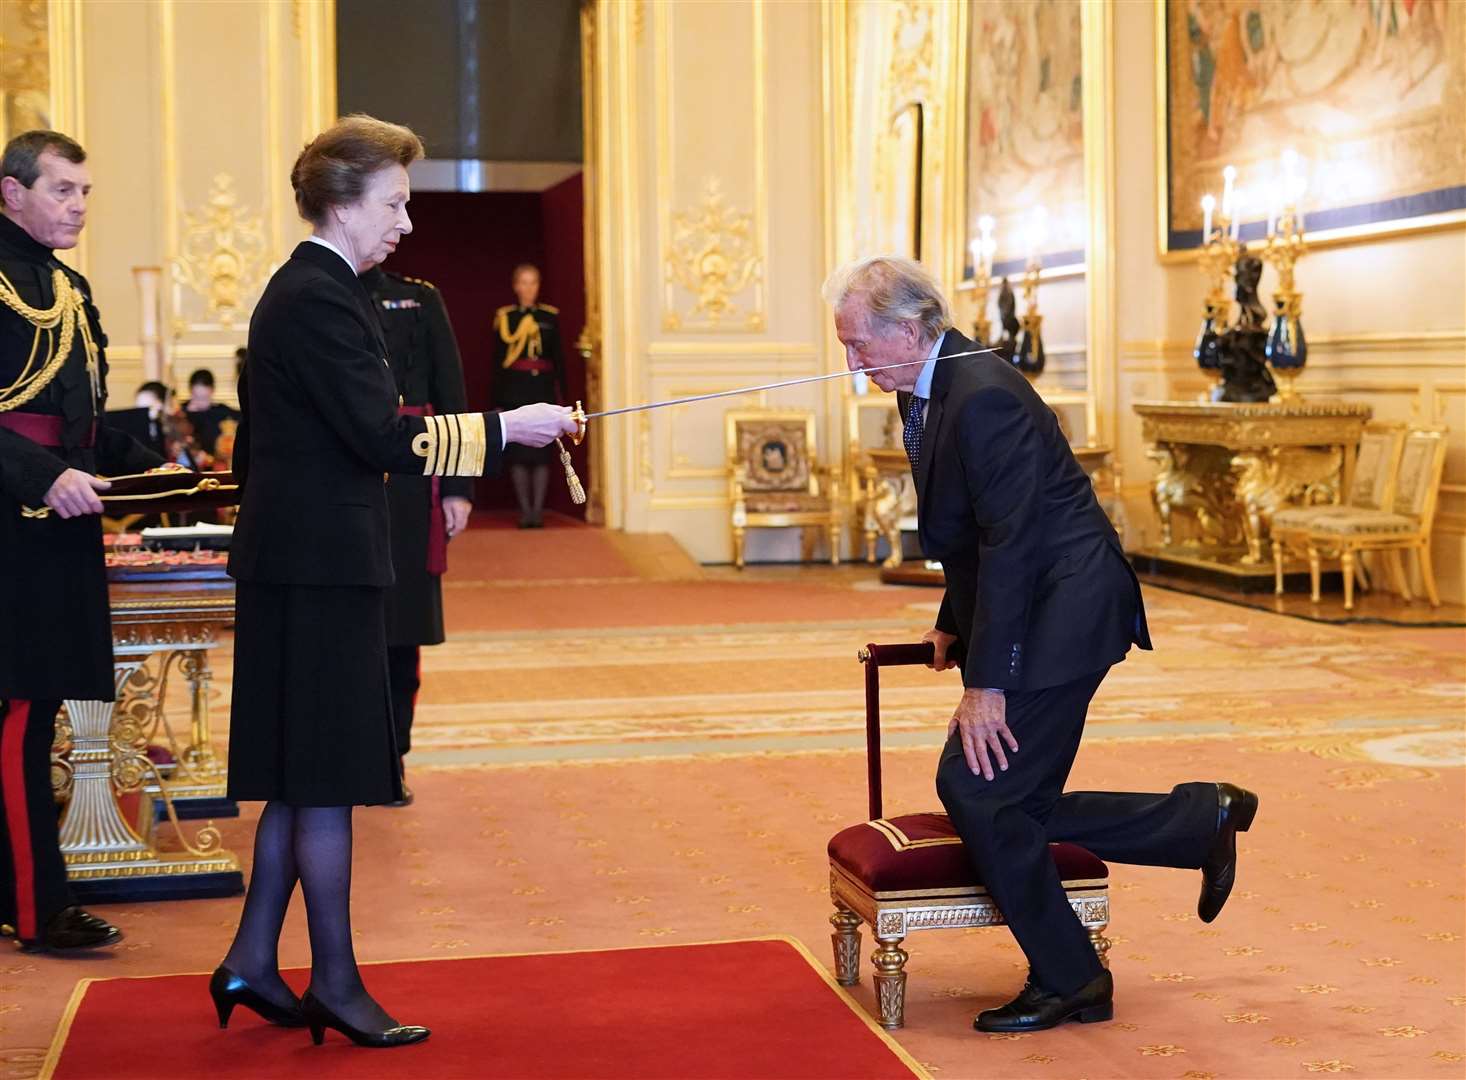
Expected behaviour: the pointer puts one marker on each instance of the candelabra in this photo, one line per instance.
(982, 326)
(1029, 357)
(983, 248)
(1287, 349)
(1250, 362)
(1218, 255)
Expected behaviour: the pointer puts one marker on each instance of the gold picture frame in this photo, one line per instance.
(1244, 40)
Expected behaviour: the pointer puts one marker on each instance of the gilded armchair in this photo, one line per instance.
(775, 480)
(1406, 526)
(1371, 487)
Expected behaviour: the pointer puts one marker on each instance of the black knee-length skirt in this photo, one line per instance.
(311, 718)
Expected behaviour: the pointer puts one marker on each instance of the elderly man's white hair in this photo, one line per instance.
(895, 290)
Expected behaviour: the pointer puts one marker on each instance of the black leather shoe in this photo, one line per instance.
(1236, 807)
(228, 990)
(318, 1018)
(73, 929)
(1035, 1009)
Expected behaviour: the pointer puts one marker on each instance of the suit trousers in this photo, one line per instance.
(33, 885)
(404, 676)
(1007, 823)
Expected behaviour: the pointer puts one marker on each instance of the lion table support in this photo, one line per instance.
(1225, 468)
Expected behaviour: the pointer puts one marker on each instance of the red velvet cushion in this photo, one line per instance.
(923, 851)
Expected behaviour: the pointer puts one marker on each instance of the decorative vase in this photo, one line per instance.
(1029, 357)
(1287, 348)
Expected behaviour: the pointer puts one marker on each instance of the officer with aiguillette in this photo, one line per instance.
(55, 623)
(426, 511)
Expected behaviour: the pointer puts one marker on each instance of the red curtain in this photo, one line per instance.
(467, 244)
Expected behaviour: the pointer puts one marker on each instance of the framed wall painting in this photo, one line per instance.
(1369, 95)
(1025, 132)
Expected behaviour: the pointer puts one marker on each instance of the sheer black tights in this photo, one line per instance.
(311, 844)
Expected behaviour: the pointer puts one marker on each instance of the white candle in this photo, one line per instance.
(1229, 175)
(1236, 212)
(1208, 204)
(1273, 202)
(976, 248)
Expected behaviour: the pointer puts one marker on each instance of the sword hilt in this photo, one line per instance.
(578, 415)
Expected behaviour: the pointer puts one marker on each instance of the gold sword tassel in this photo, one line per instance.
(577, 490)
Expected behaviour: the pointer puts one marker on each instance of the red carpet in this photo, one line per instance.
(757, 1009)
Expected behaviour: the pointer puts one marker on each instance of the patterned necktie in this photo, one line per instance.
(911, 434)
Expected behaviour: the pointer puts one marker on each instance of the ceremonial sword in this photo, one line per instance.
(580, 416)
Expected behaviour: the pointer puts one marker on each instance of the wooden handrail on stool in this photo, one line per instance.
(910, 873)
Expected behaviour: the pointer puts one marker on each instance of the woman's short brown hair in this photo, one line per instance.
(333, 168)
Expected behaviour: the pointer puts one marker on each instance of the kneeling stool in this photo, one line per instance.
(910, 873)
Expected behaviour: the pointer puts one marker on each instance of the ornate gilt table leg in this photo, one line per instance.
(1346, 560)
(93, 829)
(1277, 567)
(846, 940)
(889, 961)
(199, 755)
(1315, 572)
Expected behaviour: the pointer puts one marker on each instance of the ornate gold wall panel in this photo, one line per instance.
(168, 97)
(712, 178)
(709, 127)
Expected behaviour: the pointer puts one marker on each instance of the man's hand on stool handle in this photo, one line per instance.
(941, 643)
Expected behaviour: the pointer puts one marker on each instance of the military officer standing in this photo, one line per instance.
(528, 368)
(426, 511)
(55, 625)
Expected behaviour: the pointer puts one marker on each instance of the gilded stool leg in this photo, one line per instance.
(835, 544)
(889, 960)
(738, 548)
(1346, 558)
(846, 940)
(1277, 567)
(1101, 944)
(1314, 572)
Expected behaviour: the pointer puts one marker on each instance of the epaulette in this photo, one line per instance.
(419, 281)
(505, 309)
(551, 308)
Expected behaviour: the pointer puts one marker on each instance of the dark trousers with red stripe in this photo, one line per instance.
(33, 884)
(404, 674)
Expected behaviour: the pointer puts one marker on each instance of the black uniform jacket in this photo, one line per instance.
(528, 379)
(55, 626)
(423, 356)
(320, 430)
(1039, 591)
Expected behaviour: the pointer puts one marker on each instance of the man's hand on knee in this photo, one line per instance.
(981, 718)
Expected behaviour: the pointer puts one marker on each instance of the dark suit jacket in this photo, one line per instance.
(1039, 591)
(320, 430)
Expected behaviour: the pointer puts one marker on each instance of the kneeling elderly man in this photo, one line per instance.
(1040, 603)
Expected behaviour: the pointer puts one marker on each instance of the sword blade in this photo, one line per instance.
(739, 391)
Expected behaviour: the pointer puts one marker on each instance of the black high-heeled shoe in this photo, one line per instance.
(228, 990)
(318, 1018)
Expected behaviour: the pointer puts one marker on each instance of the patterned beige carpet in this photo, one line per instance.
(624, 763)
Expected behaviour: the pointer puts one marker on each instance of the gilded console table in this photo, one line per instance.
(159, 627)
(1225, 469)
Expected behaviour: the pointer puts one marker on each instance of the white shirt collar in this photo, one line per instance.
(327, 244)
(923, 388)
